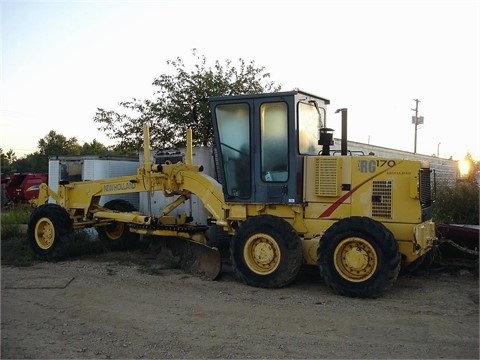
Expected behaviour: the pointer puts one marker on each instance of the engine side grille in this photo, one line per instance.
(425, 188)
(382, 199)
(327, 176)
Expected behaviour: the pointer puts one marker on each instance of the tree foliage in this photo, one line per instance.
(460, 204)
(7, 161)
(169, 114)
(94, 148)
(51, 145)
(57, 144)
(457, 205)
(34, 162)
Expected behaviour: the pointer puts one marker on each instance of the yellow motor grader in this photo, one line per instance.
(285, 199)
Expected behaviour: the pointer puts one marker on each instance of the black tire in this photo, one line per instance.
(50, 232)
(117, 236)
(266, 252)
(220, 239)
(358, 257)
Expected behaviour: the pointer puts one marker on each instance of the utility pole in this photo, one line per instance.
(416, 120)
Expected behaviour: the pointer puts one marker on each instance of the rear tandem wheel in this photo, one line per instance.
(266, 252)
(358, 257)
(117, 235)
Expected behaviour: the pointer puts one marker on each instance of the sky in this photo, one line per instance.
(61, 60)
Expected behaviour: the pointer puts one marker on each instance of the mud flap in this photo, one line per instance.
(193, 257)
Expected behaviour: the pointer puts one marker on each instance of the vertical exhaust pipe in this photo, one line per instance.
(147, 163)
(189, 154)
(344, 140)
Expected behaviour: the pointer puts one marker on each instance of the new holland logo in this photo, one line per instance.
(119, 187)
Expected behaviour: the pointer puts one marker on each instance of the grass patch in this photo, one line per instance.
(14, 220)
(14, 246)
(17, 215)
(16, 251)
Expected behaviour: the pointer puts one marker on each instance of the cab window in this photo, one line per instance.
(309, 123)
(234, 133)
(274, 142)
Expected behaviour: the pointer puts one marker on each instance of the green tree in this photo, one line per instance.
(7, 161)
(57, 144)
(34, 162)
(459, 204)
(94, 148)
(53, 144)
(169, 114)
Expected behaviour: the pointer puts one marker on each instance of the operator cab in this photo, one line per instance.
(261, 141)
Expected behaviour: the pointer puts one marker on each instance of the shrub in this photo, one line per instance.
(458, 204)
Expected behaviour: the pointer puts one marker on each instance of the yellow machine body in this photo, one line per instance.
(352, 203)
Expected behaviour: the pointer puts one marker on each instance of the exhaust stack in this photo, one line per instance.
(344, 140)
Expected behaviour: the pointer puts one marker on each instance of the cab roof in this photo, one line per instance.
(295, 92)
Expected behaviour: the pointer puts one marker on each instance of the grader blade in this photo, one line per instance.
(196, 258)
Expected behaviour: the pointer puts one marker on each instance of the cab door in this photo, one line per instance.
(274, 160)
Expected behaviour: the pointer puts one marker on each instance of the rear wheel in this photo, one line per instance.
(117, 235)
(50, 232)
(266, 252)
(358, 257)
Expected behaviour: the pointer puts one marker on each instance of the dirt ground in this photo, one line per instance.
(107, 307)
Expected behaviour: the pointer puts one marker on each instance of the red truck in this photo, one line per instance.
(23, 187)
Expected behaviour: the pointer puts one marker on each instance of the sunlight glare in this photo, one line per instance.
(464, 167)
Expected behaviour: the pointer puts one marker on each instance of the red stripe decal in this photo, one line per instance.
(342, 199)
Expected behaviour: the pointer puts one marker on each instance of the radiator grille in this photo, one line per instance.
(425, 188)
(326, 174)
(382, 199)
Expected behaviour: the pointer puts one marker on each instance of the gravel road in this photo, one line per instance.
(110, 306)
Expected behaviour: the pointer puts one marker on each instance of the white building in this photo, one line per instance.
(446, 170)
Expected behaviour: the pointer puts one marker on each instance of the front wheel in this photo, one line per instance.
(50, 232)
(358, 257)
(266, 252)
(117, 235)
